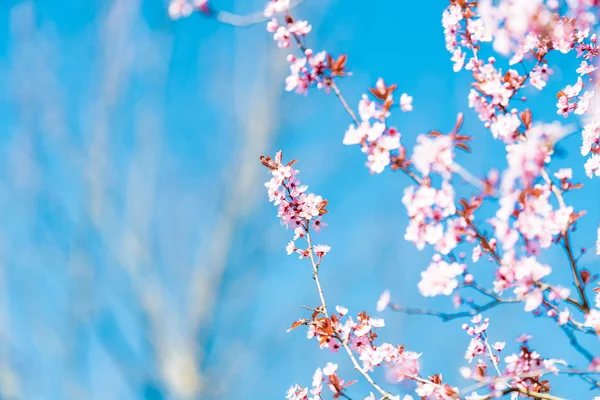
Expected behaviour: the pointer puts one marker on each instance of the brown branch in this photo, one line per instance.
(535, 395)
(576, 276)
(339, 95)
(485, 244)
(451, 316)
(315, 265)
(575, 343)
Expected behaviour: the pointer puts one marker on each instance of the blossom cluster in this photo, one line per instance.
(531, 211)
(379, 141)
(297, 208)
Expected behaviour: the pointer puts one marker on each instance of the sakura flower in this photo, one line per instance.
(321, 249)
(564, 173)
(564, 316)
(523, 338)
(378, 160)
(592, 319)
(533, 300)
(406, 102)
(297, 392)
(433, 154)
(329, 369)
(572, 91)
(591, 136)
(585, 68)
(425, 389)
(383, 301)
(317, 377)
(539, 76)
(476, 347)
(180, 9)
(440, 278)
(300, 28)
(458, 58)
(505, 126)
(276, 6)
(355, 135)
(405, 366)
(498, 346)
(290, 248)
(592, 166)
(584, 102)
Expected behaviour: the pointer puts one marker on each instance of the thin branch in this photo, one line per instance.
(467, 176)
(555, 189)
(575, 343)
(451, 316)
(342, 100)
(535, 395)
(315, 265)
(485, 244)
(494, 361)
(576, 276)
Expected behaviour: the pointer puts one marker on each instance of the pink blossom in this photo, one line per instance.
(300, 28)
(505, 127)
(406, 102)
(433, 154)
(384, 300)
(329, 369)
(440, 278)
(341, 310)
(321, 249)
(572, 91)
(584, 102)
(592, 166)
(405, 366)
(539, 76)
(180, 9)
(585, 68)
(591, 136)
(564, 316)
(564, 173)
(592, 319)
(276, 6)
(476, 253)
(290, 248)
(498, 346)
(533, 299)
(458, 58)
(297, 392)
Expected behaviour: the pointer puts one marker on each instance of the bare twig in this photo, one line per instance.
(342, 100)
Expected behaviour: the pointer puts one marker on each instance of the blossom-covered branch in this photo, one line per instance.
(533, 212)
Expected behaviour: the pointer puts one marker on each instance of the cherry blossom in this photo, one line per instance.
(529, 201)
(440, 277)
(383, 301)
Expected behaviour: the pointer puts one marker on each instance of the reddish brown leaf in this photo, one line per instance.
(297, 324)
(464, 147)
(526, 118)
(462, 138)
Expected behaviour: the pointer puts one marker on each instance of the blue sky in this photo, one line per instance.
(140, 257)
